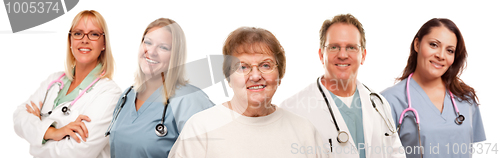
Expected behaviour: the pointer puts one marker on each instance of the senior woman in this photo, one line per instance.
(77, 102)
(149, 118)
(445, 119)
(249, 125)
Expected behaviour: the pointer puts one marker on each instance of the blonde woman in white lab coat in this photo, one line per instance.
(69, 119)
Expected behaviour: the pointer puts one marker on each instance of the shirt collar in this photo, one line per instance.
(90, 77)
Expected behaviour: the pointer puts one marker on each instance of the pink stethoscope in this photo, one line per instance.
(459, 120)
(66, 109)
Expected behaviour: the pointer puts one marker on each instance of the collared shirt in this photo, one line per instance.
(353, 119)
(63, 98)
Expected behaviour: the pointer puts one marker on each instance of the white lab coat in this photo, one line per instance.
(98, 104)
(310, 103)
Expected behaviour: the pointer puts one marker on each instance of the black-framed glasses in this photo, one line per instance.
(92, 35)
(334, 48)
(264, 67)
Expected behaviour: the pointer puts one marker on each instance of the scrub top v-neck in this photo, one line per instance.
(440, 135)
(133, 134)
(353, 118)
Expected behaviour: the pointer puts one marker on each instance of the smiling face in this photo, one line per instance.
(86, 51)
(155, 51)
(342, 65)
(256, 87)
(436, 52)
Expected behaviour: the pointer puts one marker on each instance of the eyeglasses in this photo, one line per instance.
(92, 35)
(333, 48)
(264, 67)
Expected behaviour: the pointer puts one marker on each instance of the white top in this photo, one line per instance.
(346, 100)
(98, 104)
(310, 104)
(220, 132)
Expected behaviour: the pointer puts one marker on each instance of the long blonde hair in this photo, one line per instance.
(105, 58)
(175, 75)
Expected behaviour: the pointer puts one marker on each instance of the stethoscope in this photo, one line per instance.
(342, 136)
(65, 109)
(160, 128)
(459, 120)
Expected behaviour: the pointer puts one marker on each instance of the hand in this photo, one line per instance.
(35, 110)
(71, 129)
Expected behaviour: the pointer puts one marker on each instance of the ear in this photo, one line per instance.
(416, 45)
(320, 54)
(363, 55)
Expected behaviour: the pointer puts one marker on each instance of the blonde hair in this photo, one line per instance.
(175, 75)
(105, 58)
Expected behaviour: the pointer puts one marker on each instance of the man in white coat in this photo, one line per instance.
(353, 121)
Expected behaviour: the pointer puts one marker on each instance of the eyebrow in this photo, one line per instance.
(147, 38)
(76, 30)
(446, 46)
(348, 44)
(437, 40)
(265, 60)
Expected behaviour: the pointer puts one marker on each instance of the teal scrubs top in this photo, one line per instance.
(441, 137)
(133, 134)
(353, 118)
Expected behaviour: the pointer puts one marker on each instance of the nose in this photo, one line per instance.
(85, 39)
(342, 54)
(149, 50)
(440, 54)
(255, 75)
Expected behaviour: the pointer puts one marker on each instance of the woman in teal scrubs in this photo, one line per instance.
(437, 57)
(160, 77)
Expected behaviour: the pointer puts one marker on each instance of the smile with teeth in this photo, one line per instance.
(150, 61)
(84, 50)
(256, 87)
(342, 65)
(436, 64)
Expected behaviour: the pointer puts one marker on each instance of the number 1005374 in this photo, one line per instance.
(32, 7)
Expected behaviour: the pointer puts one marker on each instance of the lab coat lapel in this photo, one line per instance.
(369, 115)
(49, 101)
(336, 113)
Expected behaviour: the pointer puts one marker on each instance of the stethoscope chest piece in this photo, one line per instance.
(66, 110)
(460, 119)
(343, 137)
(161, 130)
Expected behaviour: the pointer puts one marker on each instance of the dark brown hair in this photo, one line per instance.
(252, 38)
(342, 18)
(451, 76)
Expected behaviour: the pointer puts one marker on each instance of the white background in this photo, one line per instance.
(28, 57)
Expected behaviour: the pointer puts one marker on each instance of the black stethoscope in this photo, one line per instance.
(342, 136)
(160, 128)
